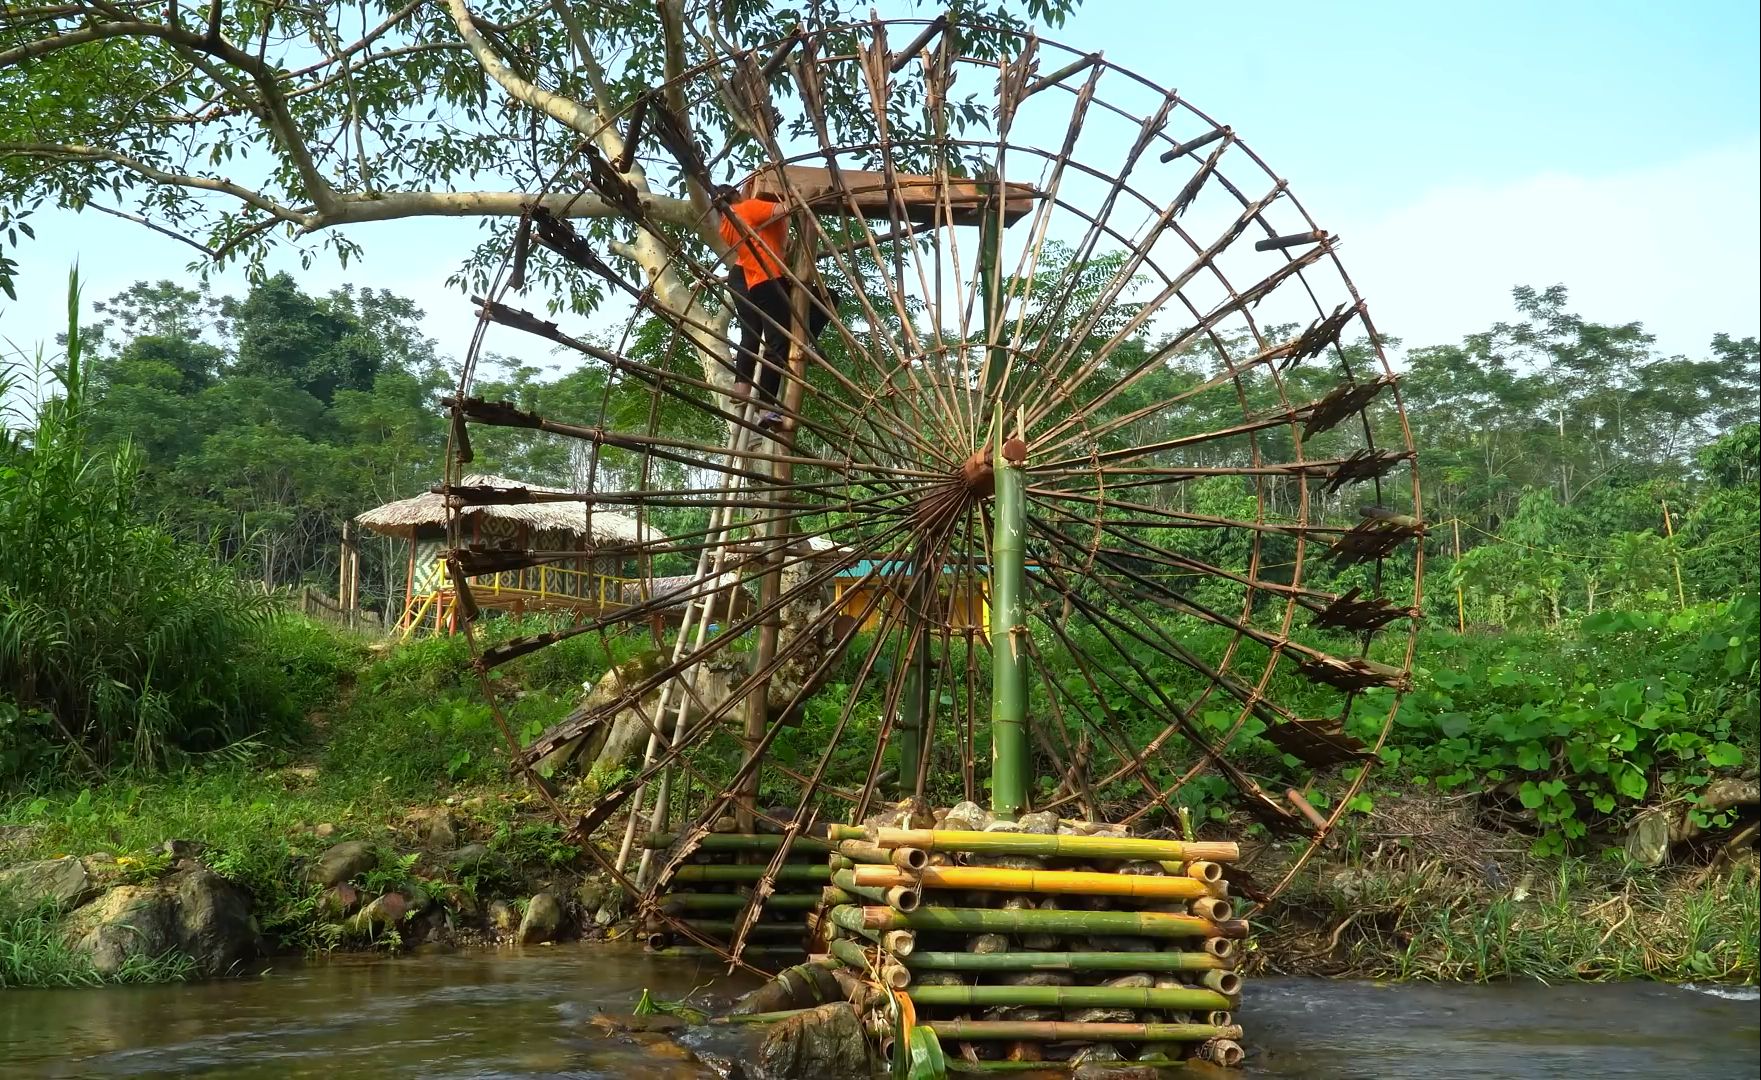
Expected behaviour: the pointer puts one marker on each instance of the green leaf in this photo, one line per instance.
(1531, 795)
(1723, 755)
(1629, 781)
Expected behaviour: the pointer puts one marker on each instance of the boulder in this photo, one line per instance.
(339, 900)
(502, 917)
(822, 1042)
(195, 912)
(967, 816)
(470, 859)
(343, 861)
(1040, 823)
(436, 829)
(590, 897)
(542, 921)
(214, 923)
(62, 882)
(382, 913)
(133, 920)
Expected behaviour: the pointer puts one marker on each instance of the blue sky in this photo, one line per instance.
(1456, 149)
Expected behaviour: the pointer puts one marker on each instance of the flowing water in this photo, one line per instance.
(511, 1014)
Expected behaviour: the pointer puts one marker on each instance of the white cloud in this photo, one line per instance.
(1674, 246)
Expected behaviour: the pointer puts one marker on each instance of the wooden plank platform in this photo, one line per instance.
(922, 197)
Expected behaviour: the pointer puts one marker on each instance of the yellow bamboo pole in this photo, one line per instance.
(1062, 882)
(1460, 604)
(1100, 847)
(1681, 597)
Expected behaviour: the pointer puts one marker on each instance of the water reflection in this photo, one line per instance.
(512, 1014)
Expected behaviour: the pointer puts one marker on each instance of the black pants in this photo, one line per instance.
(765, 313)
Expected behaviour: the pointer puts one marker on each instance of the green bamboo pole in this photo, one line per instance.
(786, 872)
(1066, 961)
(737, 902)
(890, 971)
(849, 952)
(914, 706)
(1010, 761)
(806, 845)
(1071, 1031)
(845, 880)
(699, 952)
(1073, 997)
(758, 1018)
(726, 926)
(1075, 847)
(1032, 920)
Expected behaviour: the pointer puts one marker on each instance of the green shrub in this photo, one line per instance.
(1584, 729)
(118, 644)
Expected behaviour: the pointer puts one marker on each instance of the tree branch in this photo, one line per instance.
(561, 109)
(672, 25)
(156, 227)
(162, 176)
(190, 44)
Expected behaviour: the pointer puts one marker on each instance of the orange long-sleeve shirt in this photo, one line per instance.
(761, 257)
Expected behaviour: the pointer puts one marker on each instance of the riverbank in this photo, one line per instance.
(397, 827)
(329, 870)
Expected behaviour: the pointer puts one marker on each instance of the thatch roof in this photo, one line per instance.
(405, 516)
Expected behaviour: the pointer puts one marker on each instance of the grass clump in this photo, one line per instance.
(34, 951)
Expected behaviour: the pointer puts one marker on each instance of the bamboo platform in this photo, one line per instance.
(1003, 947)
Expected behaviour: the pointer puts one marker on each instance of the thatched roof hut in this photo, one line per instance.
(422, 515)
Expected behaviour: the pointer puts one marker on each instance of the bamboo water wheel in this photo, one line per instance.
(1095, 494)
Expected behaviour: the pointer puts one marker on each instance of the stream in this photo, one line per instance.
(512, 1014)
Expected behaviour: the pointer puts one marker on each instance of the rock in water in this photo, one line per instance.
(133, 920)
(820, 1044)
(343, 861)
(196, 912)
(63, 882)
(214, 923)
(544, 917)
(383, 912)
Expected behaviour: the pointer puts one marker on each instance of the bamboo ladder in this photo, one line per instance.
(693, 625)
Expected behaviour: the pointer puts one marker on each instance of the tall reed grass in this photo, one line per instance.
(119, 646)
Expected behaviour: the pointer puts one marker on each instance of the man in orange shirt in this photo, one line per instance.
(763, 293)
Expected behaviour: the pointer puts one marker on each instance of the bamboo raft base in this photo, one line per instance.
(1032, 948)
(1075, 948)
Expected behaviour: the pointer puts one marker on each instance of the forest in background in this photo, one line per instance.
(196, 449)
(1551, 446)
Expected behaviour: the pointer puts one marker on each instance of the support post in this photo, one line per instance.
(1009, 750)
(990, 275)
(914, 706)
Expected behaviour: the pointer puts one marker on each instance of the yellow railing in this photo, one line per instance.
(542, 583)
(561, 582)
